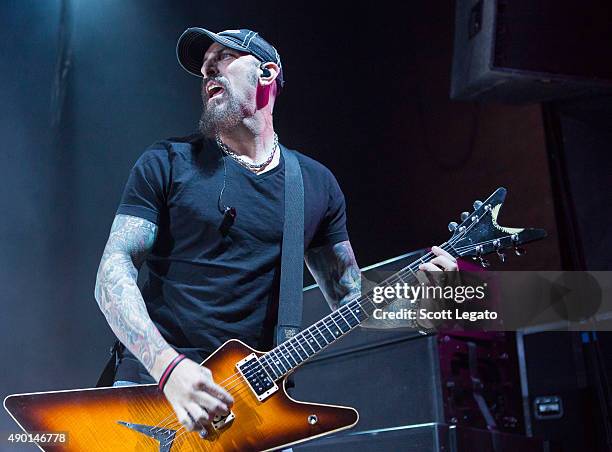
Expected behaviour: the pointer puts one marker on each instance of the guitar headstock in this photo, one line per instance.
(479, 233)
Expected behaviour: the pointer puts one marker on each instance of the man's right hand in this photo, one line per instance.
(195, 397)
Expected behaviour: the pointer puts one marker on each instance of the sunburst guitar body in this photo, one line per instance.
(139, 418)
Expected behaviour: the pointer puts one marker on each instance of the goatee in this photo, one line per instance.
(220, 115)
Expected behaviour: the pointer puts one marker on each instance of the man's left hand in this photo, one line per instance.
(442, 262)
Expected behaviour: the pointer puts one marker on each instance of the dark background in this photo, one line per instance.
(366, 94)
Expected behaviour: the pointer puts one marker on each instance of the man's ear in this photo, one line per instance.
(268, 73)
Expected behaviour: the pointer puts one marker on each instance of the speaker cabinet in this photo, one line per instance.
(521, 51)
(398, 377)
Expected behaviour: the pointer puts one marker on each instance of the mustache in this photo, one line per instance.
(220, 80)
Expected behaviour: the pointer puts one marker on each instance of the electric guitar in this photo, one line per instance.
(263, 417)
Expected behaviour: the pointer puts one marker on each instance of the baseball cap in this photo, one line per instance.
(194, 42)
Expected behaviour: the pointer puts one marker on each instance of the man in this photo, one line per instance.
(206, 213)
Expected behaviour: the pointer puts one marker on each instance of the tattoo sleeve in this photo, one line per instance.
(335, 270)
(118, 295)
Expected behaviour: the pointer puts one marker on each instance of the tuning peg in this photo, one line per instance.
(464, 215)
(518, 250)
(499, 251)
(477, 204)
(484, 263)
(452, 226)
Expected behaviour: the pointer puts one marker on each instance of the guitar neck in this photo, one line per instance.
(292, 353)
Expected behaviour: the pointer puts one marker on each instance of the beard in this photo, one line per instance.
(217, 118)
(223, 114)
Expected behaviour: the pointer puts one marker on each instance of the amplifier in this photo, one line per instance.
(517, 51)
(398, 377)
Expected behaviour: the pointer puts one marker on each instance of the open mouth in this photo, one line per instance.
(213, 90)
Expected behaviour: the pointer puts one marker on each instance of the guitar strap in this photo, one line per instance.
(292, 264)
(292, 252)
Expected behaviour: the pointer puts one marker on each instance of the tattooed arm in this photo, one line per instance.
(119, 298)
(335, 270)
(190, 389)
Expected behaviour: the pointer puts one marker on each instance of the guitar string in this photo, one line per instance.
(427, 256)
(244, 384)
(483, 243)
(317, 334)
(239, 377)
(238, 380)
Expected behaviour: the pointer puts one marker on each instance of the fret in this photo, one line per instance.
(302, 347)
(331, 332)
(268, 368)
(280, 371)
(343, 321)
(339, 332)
(350, 326)
(413, 273)
(278, 361)
(272, 360)
(316, 335)
(315, 339)
(353, 314)
(285, 355)
(359, 311)
(340, 321)
(290, 355)
(321, 333)
(293, 352)
(368, 309)
(297, 350)
(367, 297)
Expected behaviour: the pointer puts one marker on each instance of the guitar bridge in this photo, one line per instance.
(222, 421)
(256, 376)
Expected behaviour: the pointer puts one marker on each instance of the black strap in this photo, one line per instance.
(107, 378)
(292, 252)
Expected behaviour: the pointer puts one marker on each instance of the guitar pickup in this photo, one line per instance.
(256, 376)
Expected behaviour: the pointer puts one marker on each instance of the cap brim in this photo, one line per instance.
(192, 45)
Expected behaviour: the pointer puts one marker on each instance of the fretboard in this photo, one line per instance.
(289, 355)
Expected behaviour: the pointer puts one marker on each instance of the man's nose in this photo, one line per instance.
(209, 69)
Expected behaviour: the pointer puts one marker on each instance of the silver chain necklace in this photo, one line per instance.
(256, 167)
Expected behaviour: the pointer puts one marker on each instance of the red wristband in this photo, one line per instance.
(164, 378)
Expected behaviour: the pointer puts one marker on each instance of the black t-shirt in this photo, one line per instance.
(204, 287)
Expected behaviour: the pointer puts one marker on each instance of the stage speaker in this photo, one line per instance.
(399, 377)
(522, 51)
(566, 388)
